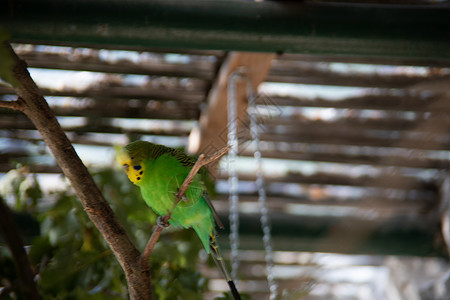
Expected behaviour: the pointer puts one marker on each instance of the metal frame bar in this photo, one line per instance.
(310, 27)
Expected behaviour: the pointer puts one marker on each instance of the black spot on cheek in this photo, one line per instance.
(139, 178)
(141, 172)
(137, 168)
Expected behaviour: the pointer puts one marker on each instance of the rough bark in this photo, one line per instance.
(34, 106)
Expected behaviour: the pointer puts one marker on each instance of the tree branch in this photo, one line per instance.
(15, 105)
(37, 110)
(201, 161)
(15, 244)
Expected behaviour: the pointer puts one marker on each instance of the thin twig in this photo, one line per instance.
(15, 105)
(145, 256)
(201, 161)
(14, 242)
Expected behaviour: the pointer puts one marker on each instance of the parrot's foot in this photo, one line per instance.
(184, 198)
(161, 223)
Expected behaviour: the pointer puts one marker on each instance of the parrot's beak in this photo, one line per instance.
(123, 158)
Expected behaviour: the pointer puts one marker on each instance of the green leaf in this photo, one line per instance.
(6, 60)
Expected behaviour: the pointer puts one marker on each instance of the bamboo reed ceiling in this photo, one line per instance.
(394, 136)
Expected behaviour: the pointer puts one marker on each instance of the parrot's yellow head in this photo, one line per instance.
(130, 158)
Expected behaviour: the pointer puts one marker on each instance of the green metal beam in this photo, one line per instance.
(411, 31)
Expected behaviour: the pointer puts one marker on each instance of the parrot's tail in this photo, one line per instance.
(234, 291)
(218, 259)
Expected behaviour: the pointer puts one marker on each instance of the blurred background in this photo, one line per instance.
(355, 157)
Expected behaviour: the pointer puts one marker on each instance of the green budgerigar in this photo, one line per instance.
(159, 171)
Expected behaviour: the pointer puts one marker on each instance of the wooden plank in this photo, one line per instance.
(37, 169)
(306, 72)
(385, 121)
(413, 102)
(385, 207)
(98, 125)
(182, 112)
(134, 109)
(352, 124)
(385, 182)
(361, 140)
(368, 197)
(421, 160)
(138, 48)
(94, 139)
(435, 139)
(398, 61)
(202, 69)
(212, 132)
(125, 92)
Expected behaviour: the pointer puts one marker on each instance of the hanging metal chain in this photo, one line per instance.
(233, 179)
(265, 224)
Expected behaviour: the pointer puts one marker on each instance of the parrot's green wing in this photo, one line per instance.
(159, 187)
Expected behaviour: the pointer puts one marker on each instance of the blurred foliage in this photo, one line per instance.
(71, 258)
(21, 188)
